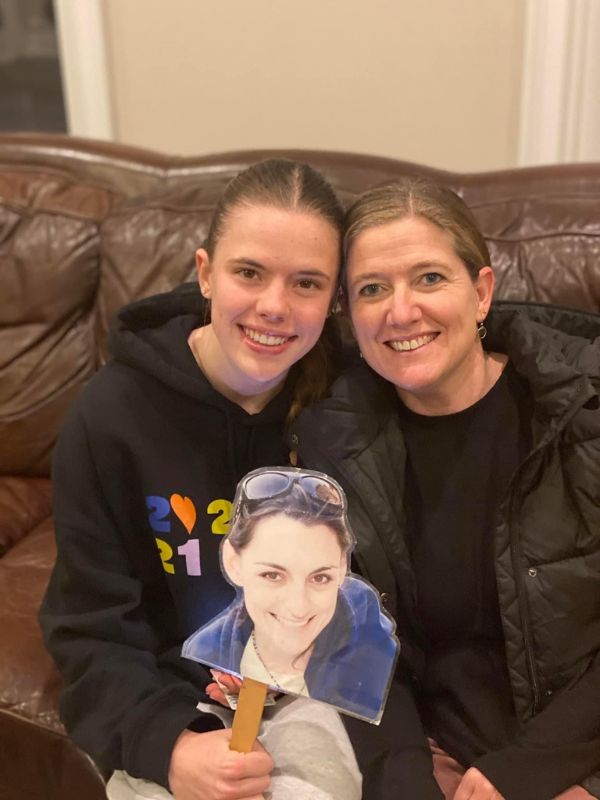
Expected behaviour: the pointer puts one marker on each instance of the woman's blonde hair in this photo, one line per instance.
(420, 197)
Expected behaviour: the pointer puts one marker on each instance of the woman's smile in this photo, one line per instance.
(294, 623)
(411, 344)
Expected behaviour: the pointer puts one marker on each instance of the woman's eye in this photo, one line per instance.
(273, 577)
(322, 579)
(431, 278)
(370, 290)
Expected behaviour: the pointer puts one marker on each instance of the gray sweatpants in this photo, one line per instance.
(308, 743)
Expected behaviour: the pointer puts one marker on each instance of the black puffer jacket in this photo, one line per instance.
(548, 530)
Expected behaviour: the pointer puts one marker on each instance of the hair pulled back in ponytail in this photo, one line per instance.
(291, 186)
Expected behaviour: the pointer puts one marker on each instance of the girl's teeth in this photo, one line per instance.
(262, 338)
(412, 344)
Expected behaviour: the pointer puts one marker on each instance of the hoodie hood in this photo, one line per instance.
(151, 336)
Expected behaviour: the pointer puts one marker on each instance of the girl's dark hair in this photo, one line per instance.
(291, 186)
(296, 504)
(420, 197)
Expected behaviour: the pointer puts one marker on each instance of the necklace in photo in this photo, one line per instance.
(302, 689)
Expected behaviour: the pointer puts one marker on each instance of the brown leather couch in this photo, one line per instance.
(86, 227)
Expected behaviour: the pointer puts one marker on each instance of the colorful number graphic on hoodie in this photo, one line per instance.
(162, 512)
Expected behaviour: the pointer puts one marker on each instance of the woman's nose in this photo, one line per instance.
(296, 602)
(403, 308)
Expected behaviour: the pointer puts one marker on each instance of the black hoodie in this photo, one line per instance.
(144, 474)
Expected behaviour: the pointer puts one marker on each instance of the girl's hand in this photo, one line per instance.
(475, 786)
(204, 768)
(224, 684)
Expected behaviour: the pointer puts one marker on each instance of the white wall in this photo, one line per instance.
(430, 81)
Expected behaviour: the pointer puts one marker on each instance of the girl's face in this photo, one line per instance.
(270, 282)
(415, 310)
(290, 573)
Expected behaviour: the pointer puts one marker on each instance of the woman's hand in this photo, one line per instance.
(204, 768)
(475, 786)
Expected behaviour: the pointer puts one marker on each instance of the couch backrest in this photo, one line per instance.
(85, 227)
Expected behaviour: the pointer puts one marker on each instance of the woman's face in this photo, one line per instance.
(415, 309)
(290, 573)
(270, 282)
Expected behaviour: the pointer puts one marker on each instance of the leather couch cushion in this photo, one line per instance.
(48, 226)
(545, 249)
(148, 246)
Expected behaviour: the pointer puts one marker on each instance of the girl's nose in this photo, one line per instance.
(272, 303)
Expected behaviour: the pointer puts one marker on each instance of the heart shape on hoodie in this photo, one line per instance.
(185, 511)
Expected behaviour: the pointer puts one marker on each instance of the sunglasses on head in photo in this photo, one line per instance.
(266, 484)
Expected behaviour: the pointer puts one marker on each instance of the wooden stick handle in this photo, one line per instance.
(246, 720)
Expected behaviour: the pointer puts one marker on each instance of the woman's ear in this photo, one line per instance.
(203, 269)
(484, 286)
(231, 563)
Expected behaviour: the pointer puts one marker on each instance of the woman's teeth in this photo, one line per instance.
(295, 623)
(412, 344)
(263, 338)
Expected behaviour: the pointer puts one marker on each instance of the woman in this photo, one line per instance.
(148, 462)
(299, 623)
(473, 483)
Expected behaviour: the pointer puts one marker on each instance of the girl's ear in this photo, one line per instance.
(231, 563)
(203, 269)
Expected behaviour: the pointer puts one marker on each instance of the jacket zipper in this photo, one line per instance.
(516, 554)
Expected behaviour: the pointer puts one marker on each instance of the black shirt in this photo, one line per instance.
(458, 470)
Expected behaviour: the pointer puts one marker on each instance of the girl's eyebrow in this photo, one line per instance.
(247, 262)
(309, 272)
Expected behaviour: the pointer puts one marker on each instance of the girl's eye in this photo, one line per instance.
(248, 273)
(370, 290)
(308, 283)
(431, 278)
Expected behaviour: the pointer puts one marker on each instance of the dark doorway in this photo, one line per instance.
(31, 95)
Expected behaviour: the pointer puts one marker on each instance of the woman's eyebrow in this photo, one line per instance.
(368, 276)
(429, 263)
(324, 569)
(270, 565)
(426, 263)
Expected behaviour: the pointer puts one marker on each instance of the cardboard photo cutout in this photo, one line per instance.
(301, 622)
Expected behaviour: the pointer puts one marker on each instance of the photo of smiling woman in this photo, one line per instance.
(300, 623)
